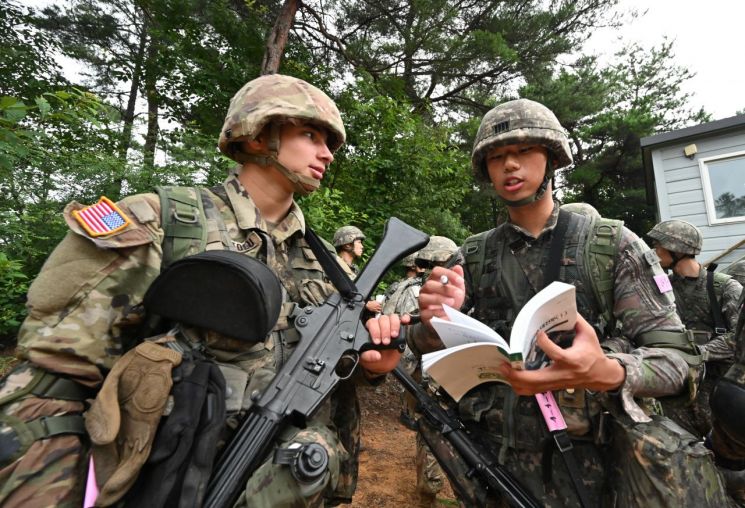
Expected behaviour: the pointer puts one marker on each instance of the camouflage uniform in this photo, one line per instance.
(77, 329)
(694, 307)
(346, 235)
(512, 272)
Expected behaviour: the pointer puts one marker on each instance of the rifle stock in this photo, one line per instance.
(492, 477)
(331, 336)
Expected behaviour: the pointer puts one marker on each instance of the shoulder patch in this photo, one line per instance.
(101, 219)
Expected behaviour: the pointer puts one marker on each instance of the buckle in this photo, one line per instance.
(563, 443)
(719, 331)
(193, 219)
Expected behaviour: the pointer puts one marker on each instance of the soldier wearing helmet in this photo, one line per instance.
(86, 303)
(737, 270)
(348, 244)
(707, 303)
(519, 146)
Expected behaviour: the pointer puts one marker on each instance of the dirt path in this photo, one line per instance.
(387, 475)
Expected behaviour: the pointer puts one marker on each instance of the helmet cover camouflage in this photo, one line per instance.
(517, 122)
(409, 260)
(347, 234)
(582, 209)
(438, 250)
(677, 236)
(278, 98)
(737, 271)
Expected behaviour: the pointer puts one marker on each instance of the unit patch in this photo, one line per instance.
(103, 218)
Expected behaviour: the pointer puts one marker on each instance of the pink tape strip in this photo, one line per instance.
(91, 487)
(551, 411)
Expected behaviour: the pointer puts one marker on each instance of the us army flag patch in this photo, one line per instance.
(103, 218)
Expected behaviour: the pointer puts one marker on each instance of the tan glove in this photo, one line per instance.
(123, 419)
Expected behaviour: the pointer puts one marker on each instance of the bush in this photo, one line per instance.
(13, 288)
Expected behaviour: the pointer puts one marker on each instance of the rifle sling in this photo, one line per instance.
(720, 327)
(338, 278)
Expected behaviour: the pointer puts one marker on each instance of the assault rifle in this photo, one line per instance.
(332, 337)
(480, 466)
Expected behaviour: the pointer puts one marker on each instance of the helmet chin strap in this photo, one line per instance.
(302, 184)
(547, 176)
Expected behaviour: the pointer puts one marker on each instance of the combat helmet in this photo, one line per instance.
(438, 250)
(347, 234)
(677, 236)
(737, 271)
(521, 121)
(409, 261)
(582, 209)
(272, 100)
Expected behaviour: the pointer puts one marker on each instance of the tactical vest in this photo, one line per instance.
(589, 255)
(697, 309)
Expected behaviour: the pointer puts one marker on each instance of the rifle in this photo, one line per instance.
(332, 337)
(490, 475)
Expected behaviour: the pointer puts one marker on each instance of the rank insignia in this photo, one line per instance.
(103, 218)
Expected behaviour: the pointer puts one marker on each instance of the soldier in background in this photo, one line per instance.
(707, 303)
(282, 132)
(430, 478)
(737, 271)
(348, 242)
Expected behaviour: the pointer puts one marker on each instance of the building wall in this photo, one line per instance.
(680, 193)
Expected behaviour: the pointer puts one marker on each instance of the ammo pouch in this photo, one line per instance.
(16, 435)
(655, 464)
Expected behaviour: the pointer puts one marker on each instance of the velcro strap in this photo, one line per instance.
(49, 426)
(52, 386)
(681, 341)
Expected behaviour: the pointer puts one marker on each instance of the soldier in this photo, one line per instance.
(737, 271)
(727, 438)
(707, 304)
(430, 478)
(518, 147)
(283, 133)
(349, 247)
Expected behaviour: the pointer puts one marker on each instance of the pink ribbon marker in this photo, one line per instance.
(550, 411)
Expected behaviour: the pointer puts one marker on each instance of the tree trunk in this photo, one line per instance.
(153, 102)
(129, 114)
(275, 43)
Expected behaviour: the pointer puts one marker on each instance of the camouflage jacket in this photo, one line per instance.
(514, 273)
(694, 308)
(77, 328)
(404, 299)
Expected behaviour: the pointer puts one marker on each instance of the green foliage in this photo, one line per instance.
(13, 287)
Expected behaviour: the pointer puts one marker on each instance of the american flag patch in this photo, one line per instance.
(103, 218)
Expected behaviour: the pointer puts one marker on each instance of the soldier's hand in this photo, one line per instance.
(382, 330)
(374, 306)
(434, 293)
(582, 365)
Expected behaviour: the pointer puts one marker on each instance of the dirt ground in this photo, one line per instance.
(387, 476)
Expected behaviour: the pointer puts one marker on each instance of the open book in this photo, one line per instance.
(473, 351)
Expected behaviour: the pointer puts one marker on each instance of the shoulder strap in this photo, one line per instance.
(600, 255)
(474, 252)
(556, 248)
(720, 325)
(334, 272)
(183, 222)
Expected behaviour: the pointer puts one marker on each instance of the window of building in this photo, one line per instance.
(723, 179)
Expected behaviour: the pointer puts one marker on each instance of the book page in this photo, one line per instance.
(552, 309)
(462, 329)
(463, 367)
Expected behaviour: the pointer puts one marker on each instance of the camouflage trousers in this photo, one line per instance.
(429, 476)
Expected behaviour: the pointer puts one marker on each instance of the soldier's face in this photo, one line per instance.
(357, 247)
(516, 171)
(666, 259)
(303, 150)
